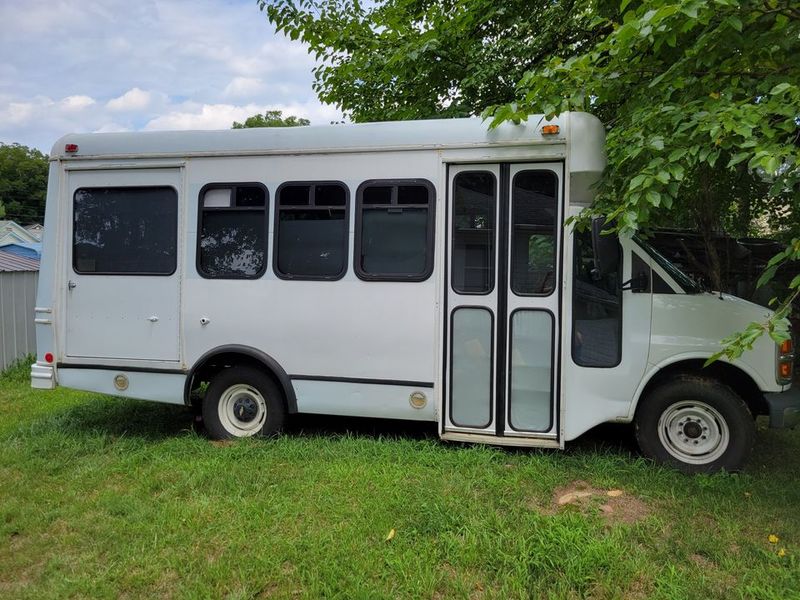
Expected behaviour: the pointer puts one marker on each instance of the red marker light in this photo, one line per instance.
(71, 148)
(48, 357)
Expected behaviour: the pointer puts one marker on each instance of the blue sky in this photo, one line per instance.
(126, 65)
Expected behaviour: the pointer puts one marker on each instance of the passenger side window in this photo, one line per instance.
(125, 231)
(232, 235)
(394, 230)
(596, 310)
(311, 230)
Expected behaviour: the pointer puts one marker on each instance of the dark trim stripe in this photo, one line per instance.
(445, 314)
(502, 236)
(424, 384)
(120, 368)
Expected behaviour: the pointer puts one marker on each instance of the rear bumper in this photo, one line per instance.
(43, 377)
(784, 408)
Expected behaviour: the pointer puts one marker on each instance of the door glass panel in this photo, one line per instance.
(472, 262)
(471, 369)
(531, 370)
(533, 235)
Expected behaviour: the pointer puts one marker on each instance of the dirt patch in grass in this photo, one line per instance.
(614, 505)
(221, 443)
(702, 561)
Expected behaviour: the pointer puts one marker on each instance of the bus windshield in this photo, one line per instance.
(689, 285)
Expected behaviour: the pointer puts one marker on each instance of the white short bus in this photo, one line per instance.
(412, 270)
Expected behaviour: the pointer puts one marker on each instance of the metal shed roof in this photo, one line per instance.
(13, 262)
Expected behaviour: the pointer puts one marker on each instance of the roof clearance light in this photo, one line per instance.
(71, 148)
(550, 130)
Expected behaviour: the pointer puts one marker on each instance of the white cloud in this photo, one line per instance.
(111, 128)
(133, 99)
(75, 103)
(111, 66)
(222, 116)
(244, 87)
(205, 116)
(17, 112)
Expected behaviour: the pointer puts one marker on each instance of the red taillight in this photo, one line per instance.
(48, 357)
(786, 347)
(71, 148)
(785, 370)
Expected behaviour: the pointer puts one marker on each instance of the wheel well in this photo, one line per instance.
(211, 363)
(739, 381)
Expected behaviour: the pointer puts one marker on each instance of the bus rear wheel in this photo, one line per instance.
(242, 402)
(696, 425)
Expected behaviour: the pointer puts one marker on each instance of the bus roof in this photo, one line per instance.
(396, 135)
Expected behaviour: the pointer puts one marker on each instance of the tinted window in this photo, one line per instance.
(125, 231)
(394, 230)
(533, 236)
(474, 208)
(232, 242)
(311, 231)
(596, 310)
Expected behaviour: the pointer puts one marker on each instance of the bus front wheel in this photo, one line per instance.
(242, 402)
(696, 425)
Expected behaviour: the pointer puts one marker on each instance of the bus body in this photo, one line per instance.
(412, 270)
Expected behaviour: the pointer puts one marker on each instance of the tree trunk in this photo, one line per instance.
(707, 222)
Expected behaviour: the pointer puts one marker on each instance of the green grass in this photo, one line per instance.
(105, 497)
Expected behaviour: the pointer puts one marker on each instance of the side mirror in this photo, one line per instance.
(605, 249)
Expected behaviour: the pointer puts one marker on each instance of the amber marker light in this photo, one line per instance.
(786, 346)
(550, 130)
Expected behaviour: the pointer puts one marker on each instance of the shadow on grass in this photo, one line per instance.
(155, 422)
(119, 417)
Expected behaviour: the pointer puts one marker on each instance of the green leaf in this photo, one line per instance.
(766, 276)
(780, 88)
(637, 182)
(737, 158)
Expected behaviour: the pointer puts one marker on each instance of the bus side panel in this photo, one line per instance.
(382, 331)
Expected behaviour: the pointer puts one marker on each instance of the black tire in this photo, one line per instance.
(251, 404)
(685, 422)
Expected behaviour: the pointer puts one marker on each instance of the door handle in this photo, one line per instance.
(71, 284)
(152, 319)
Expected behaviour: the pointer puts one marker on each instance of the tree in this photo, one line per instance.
(701, 97)
(415, 59)
(697, 92)
(23, 183)
(271, 118)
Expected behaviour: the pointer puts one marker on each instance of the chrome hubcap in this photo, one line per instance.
(693, 432)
